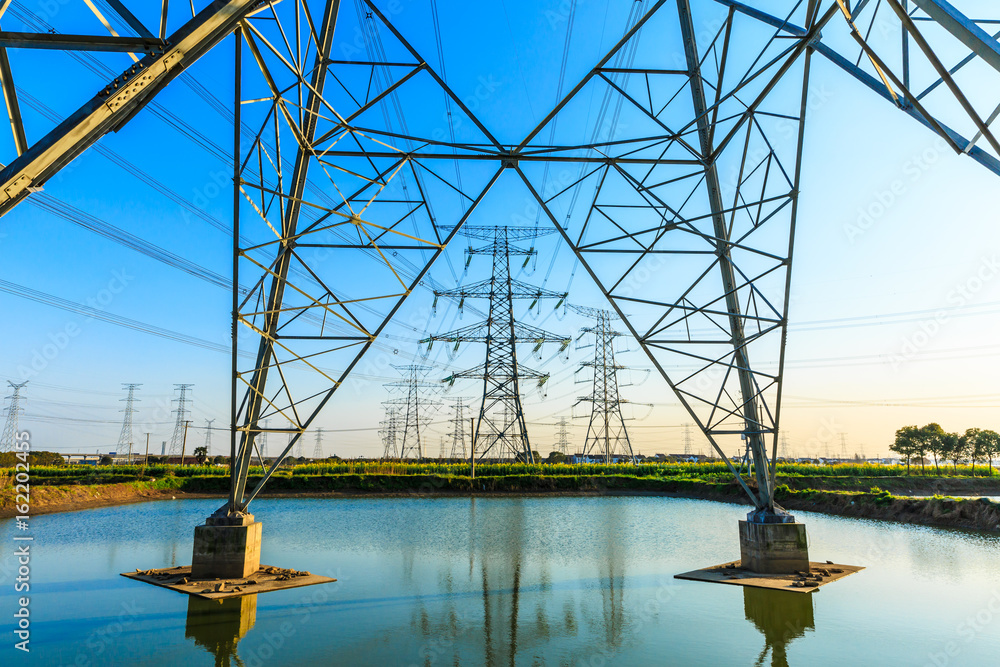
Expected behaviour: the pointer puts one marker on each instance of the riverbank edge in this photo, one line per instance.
(939, 511)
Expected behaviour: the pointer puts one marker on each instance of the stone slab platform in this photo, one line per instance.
(820, 574)
(266, 579)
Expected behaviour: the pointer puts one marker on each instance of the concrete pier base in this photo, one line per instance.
(769, 547)
(226, 547)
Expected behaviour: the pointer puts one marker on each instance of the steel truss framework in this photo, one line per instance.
(407, 413)
(689, 208)
(606, 432)
(501, 429)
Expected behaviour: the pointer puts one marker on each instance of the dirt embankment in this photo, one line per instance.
(50, 499)
(945, 512)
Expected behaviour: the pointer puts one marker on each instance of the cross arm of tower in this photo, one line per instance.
(488, 233)
(474, 333)
(595, 313)
(520, 290)
(504, 249)
(480, 290)
(479, 372)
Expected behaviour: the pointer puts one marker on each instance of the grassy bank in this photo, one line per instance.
(862, 491)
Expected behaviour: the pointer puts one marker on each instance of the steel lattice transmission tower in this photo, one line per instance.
(699, 185)
(500, 428)
(388, 432)
(562, 443)
(412, 405)
(125, 438)
(208, 436)
(177, 439)
(262, 441)
(458, 428)
(606, 432)
(13, 410)
(687, 440)
(318, 448)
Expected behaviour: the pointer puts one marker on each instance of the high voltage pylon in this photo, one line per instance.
(458, 428)
(412, 408)
(562, 436)
(687, 439)
(208, 436)
(495, 434)
(734, 103)
(262, 441)
(177, 439)
(388, 432)
(318, 448)
(125, 438)
(785, 453)
(606, 432)
(13, 410)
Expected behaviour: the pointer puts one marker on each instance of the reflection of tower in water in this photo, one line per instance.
(218, 625)
(612, 574)
(781, 617)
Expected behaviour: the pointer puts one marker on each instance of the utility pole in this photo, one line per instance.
(182, 411)
(184, 440)
(13, 410)
(606, 432)
(501, 373)
(125, 438)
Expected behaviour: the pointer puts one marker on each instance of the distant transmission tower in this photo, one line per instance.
(125, 438)
(606, 432)
(562, 436)
(208, 436)
(177, 439)
(262, 440)
(13, 410)
(318, 449)
(785, 453)
(843, 446)
(412, 406)
(497, 436)
(388, 432)
(687, 440)
(458, 429)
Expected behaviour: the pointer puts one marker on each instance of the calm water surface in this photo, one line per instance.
(526, 581)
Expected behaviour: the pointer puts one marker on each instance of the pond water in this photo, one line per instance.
(504, 581)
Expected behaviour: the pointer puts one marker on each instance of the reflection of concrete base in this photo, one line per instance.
(218, 625)
(226, 547)
(811, 578)
(773, 548)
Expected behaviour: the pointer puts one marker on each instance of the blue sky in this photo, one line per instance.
(894, 298)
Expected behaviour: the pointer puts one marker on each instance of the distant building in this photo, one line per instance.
(82, 459)
(596, 458)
